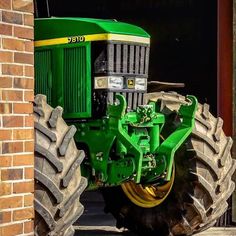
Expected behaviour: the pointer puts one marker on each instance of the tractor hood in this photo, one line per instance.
(92, 29)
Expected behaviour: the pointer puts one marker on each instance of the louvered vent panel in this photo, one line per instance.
(43, 74)
(75, 80)
(128, 59)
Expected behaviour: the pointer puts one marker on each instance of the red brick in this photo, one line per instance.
(5, 82)
(12, 95)
(5, 108)
(29, 121)
(5, 217)
(5, 29)
(6, 57)
(23, 160)
(23, 134)
(28, 96)
(13, 44)
(5, 161)
(23, 83)
(13, 121)
(29, 146)
(23, 187)
(5, 4)
(5, 135)
(29, 200)
(12, 17)
(11, 202)
(11, 230)
(11, 174)
(29, 173)
(28, 227)
(29, 19)
(25, 58)
(24, 214)
(12, 147)
(23, 5)
(5, 189)
(23, 108)
(29, 46)
(10, 69)
(29, 71)
(22, 32)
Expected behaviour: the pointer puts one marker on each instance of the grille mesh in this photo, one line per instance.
(43, 74)
(75, 79)
(128, 59)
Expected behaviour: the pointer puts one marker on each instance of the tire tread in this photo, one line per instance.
(56, 157)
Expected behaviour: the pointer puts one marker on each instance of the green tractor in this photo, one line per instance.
(161, 160)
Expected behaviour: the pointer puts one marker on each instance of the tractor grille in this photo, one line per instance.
(43, 72)
(123, 59)
(133, 99)
(75, 80)
(128, 59)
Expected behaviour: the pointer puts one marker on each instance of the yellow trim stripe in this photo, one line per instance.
(93, 37)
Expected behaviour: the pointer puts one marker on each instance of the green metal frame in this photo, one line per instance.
(57, 27)
(126, 146)
(56, 77)
(177, 138)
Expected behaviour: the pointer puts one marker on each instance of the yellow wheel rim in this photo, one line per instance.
(148, 197)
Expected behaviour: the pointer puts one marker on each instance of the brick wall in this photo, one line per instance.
(16, 120)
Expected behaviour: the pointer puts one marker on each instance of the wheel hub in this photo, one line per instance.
(148, 196)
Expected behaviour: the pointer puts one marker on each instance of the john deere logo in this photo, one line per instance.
(130, 83)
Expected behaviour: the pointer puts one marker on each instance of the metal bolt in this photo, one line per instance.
(93, 172)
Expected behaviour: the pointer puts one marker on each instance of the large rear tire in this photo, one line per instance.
(203, 184)
(58, 181)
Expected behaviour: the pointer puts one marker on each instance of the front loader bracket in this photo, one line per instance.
(171, 144)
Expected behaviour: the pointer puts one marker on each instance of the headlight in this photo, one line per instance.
(140, 84)
(109, 82)
(101, 83)
(115, 83)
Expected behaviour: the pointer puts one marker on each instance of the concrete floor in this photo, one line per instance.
(94, 222)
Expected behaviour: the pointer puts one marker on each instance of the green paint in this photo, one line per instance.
(121, 145)
(49, 28)
(65, 77)
(177, 138)
(126, 146)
